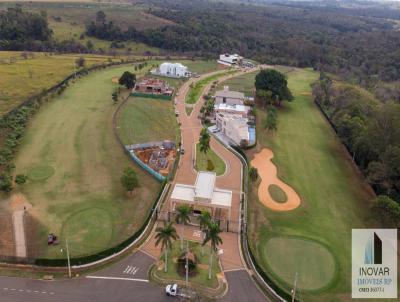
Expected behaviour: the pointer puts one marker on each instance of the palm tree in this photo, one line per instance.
(182, 218)
(212, 236)
(165, 235)
(204, 221)
(204, 141)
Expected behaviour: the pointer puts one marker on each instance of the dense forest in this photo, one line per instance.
(362, 47)
(23, 30)
(371, 131)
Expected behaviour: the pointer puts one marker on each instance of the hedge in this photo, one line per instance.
(152, 96)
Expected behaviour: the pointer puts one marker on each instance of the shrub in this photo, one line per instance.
(210, 165)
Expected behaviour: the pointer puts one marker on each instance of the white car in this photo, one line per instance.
(171, 289)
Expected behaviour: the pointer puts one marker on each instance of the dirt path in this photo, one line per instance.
(268, 174)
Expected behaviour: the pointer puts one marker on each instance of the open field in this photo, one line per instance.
(334, 199)
(68, 19)
(144, 119)
(75, 164)
(201, 161)
(26, 77)
(243, 83)
(202, 267)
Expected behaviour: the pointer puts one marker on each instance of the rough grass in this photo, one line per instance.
(277, 193)
(84, 200)
(312, 160)
(202, 269)
(27, 77)
(201, 161)
(144, 119)
(243, 83)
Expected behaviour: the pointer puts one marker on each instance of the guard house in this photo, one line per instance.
(203, 195)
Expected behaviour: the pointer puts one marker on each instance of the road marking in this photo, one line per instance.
(117, 278)
(131, 270)
(28, 291)
(135, 271)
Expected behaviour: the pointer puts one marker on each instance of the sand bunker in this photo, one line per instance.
(268, 174)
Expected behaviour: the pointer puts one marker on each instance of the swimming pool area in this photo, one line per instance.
(252, 135)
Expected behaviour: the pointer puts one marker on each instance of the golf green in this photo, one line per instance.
(286, 256)
(40, 172)
(90, 229)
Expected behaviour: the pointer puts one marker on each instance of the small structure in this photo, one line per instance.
(172, 70)
(229, 97)
(234, 126)
(202, 195)
(230, 60)
(153, 86)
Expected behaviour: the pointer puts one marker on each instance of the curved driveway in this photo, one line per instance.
(126, 280)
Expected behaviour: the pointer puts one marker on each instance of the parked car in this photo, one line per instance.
(171, 289)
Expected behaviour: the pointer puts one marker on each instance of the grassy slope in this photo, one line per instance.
(84, 200)
(201, 161)
(311, 159)
(144, 119)
(27, 77)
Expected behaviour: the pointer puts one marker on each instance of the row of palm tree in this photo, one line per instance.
(166, 234)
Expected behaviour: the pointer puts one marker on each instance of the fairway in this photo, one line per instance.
(74, 164)
(334, 199)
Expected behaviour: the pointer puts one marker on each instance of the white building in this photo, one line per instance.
(228, 97)
(234, 109)
(230, 60)
(234, 126)
(202, 195)
(173, 70)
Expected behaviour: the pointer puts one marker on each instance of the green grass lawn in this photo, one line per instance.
(74, 164)
(243, 83)
(197, 88)
(145, 119)
(277, 193)
(311, 159)
(201, 277)
(201, 161)
(26, 77)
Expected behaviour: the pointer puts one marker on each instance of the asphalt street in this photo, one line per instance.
(122, 282)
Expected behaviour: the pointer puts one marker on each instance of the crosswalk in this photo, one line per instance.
(131, 270)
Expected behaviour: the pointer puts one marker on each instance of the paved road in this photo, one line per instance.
(123, 281)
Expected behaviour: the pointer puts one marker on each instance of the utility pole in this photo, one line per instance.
(187, 263)
(69, 263)
(294, 288)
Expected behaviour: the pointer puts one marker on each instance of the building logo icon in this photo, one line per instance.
(373, 250)
(374, 263)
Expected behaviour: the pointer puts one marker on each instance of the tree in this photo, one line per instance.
(271, 121)
(20, 179)
(204, 141)
(204, 222)
(100, 17)
(129, 179)
(264, 96)
(212, 236)
(128, 80)
(183, 218)
(80, 62)
(165, 235)
(5, 182)
(275, 82)
(253, 173)
(387, 210)
(114, 96)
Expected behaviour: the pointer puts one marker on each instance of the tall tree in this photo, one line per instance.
(165, 235)
(183, 218)
(204, 141)
(129, 179)
(212, 236)
(271, 121)
(204, 222)
(275, 82)
(100, 17)
(128, 80)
